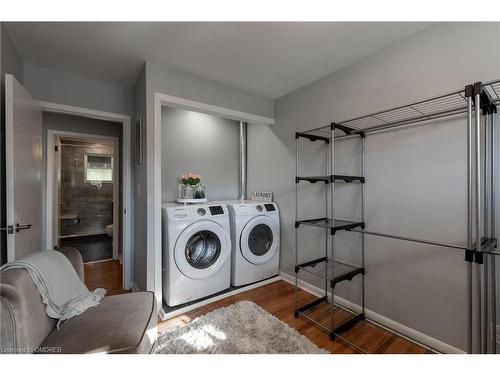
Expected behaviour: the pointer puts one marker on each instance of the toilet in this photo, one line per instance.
(109, 230)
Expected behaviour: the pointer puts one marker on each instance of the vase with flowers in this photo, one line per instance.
(190, 187)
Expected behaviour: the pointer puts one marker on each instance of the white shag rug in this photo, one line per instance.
(242, 328)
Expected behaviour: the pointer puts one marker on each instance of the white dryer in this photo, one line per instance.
(255, 237)
(196, 251)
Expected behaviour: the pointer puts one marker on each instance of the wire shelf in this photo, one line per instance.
(321, 315)
(332, 271)
(334, 225)
(493, 88)
(434, 108)
(445, 105)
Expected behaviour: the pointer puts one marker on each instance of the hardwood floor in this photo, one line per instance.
(278, 299)
(107, 275)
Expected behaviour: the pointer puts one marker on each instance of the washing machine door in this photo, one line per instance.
(202, 249)
(259, 239)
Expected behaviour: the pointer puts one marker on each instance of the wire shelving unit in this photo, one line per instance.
(478, 102)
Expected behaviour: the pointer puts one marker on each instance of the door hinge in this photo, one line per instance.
(9, 229)
(56, 148)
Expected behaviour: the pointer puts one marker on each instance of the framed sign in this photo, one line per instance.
(262, 196)
(139, 139)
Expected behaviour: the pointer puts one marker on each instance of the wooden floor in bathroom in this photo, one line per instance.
(278, 299)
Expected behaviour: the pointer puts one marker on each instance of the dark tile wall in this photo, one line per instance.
(92, 203)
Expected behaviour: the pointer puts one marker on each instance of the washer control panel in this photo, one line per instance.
(216, 210)
(259, 208)
(193, 212)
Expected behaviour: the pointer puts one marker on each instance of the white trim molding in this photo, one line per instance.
(178, 102)
(126, 155)
(380, 320)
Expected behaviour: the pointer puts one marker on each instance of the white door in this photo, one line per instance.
(23, 159)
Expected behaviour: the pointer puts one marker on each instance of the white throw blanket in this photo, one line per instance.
(62, 291)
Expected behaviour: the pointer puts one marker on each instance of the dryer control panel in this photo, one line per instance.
(253, 208)
(269, 207)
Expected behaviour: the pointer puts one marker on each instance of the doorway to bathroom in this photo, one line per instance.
(84, 222)
(86, 203)
(88, 183)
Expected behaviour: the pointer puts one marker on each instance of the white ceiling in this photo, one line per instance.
(269, 59)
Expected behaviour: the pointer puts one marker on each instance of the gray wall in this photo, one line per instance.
(171, 81)
(419, 286)
(10, 62)
(203, 144)
(58, 87)
(140, 179)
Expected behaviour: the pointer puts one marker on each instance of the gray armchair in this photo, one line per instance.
(119, 324)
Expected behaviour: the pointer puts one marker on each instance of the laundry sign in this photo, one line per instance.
(263, 196)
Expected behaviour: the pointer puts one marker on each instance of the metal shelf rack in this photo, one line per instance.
(324, 311)
(478, 103)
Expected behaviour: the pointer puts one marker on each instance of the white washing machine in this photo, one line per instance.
(255, 235)
(196, 251)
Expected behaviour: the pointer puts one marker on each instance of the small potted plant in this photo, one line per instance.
(190, 187)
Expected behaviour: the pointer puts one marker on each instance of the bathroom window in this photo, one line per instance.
(98, 168)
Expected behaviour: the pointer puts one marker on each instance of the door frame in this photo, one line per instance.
(126, 155)
(52, 177)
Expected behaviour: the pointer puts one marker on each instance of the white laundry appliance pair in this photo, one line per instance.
(207, 248)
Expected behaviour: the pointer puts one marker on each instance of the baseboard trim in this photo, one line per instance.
(382, 321)
(164, 316)
(135, 288)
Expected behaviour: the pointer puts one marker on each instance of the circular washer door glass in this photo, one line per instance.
(260, 239)
(203, 249)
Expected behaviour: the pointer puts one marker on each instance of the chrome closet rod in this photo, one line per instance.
(410, 239)
(332, 209)
(493, 300)
(479, 284)
(469, 223)
(296, 218)
(327, 167)
(486, 233)
(363, 197)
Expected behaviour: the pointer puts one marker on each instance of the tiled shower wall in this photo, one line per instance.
(87, 206)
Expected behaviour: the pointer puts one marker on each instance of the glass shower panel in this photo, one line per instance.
(86, 204)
